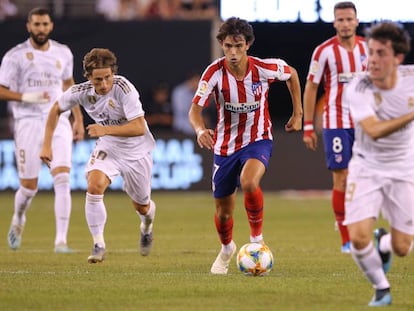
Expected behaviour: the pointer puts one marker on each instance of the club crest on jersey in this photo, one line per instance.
(58, 65)
(257, 88)
(111, 104)
(410, 102)
(338, 158)
(377, 98)
(92, 99)
(29, 55)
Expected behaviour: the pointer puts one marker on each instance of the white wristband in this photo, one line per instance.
(35, 98)
(308, 127)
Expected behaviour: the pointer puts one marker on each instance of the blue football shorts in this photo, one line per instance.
(338, 147)
(227, 169)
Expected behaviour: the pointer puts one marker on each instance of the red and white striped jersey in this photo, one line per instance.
(242, 105)
(336, 66)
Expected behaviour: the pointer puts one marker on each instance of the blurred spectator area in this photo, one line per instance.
(59, 8)
(123, 9)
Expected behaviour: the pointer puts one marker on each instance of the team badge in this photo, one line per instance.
(111, 104)
(377, 98)
(338, 158)
(410, 102)
(92, 99)
(257, 88)
(29, 55)
(58, 65)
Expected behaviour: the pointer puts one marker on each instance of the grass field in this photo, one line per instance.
(309, 272)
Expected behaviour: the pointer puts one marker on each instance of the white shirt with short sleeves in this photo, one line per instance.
(120, 105)
(26, 69)
(393, 154)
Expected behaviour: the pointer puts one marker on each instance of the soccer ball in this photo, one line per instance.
(254, 259)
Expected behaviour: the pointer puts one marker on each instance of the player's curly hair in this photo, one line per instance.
(98, 58)
(394, 32)
(235, 27)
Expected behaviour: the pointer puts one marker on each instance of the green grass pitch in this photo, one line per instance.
(309, 271)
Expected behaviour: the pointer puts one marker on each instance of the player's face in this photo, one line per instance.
(235, 50)
(345, 23)
(40, 27)
(382, 61)
(102, 80)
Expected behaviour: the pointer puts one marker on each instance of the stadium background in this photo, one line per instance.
(151, 51)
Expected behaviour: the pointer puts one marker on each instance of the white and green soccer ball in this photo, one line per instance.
(254, 259)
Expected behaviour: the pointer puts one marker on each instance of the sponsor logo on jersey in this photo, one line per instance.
(345, 77)
(202, 88)
(29, 55)
(241, 108)
(314, 67)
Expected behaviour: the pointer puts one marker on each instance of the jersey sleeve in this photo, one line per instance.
(130, 99)
(8, 70)
(317, 66)
(69, 99)
(361, 99)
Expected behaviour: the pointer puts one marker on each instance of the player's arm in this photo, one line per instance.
(29, 97)
(204, 135)
(293, 84)
(376, 128)
(309, 102)
(52, 121)
(77, 127)
(135, 127)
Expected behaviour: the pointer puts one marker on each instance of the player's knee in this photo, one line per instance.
(96, 188)
(402, 249)
(249, 185)
(61, 178)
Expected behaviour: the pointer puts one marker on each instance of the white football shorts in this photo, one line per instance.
(28, 138)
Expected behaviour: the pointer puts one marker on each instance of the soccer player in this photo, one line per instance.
(334, 62)
(123, 147)
(32, 76)
(381, 171)
(242, 140)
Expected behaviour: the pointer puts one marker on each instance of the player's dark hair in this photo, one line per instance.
(235, 27)
(99, 58)
(391, 31)
(38, 11)
(345, 5)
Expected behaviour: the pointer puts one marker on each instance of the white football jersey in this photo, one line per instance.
(392, 154)
(25, 69)
(120, 105)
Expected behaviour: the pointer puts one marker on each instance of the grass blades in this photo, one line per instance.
(309, 271)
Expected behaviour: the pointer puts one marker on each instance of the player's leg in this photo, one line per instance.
(364, 199)
(338, 150)
(60, 170)
(338, 206)
(27, 149)
(225, 182)
(101, 171)
(137, 184)
(255, 158)
(250, 177)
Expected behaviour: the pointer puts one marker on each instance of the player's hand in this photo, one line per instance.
(46, 155)
(96, 130)
(294, 123)
(205, 138)
(311, 140)
(78, 131)
(36, 97)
